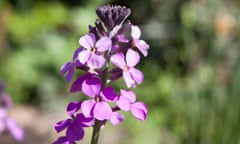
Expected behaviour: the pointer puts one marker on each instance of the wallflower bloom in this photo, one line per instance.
(127, 64)
(92, 53)
(9, 124)
(73, 125)
(127, 101)
(100, 110)
(107, 42)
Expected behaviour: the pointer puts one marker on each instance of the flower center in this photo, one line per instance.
(93, 50)
(125, 68)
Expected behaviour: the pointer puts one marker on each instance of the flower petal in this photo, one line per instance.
(122, 38)
(73, 107)
(14, 129)
(137, 75)
(76, 52)
(109, 94)
(129, 95)
(116, 118)
(132, 58)
(135, 32)
(65, 67)
(69, 69)
(62, 140)
(91, 87)
(3, 113)
(118, 60)
(138, 114)
(102, 111)
(74, 132)
(77, 84)
(87, 107)
(139, 110)
(142, 46)
(61, 125)
(87, 41)
(123, 103)
(128, 79)
(85, 121)
(103, 44)
(140, 105)
(96, 61)
(84, 56)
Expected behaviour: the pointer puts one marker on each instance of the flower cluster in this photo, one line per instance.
(108, 52)
(7, 123)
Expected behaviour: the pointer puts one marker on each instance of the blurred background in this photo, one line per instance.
(192, 73)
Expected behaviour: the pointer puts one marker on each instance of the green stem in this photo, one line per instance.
(96, 132)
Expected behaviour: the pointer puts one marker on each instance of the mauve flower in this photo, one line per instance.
(74, 130)
(92, 54)
(74, 125)
(127, 101)
(140, 44)
(107, 42)
(99, 110)
(10, 125)
(130, 74)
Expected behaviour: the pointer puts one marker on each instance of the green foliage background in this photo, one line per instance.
(192, 74)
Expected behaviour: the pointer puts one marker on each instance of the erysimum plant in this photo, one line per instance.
(109, 51)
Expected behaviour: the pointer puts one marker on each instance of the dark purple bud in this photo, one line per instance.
(112, 16)
(99, 28)
(116, 73)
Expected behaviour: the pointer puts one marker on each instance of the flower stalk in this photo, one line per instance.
(108, 52)
(96, 132)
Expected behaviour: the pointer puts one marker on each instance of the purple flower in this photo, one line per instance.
(107, 42)
(140, 44)
(11, 125)
(74, 129)
(99, 110)
(73, 125)
(130, 74)
(127, 101)
(93, 49)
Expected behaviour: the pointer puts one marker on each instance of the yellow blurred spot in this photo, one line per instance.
(224, 24)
